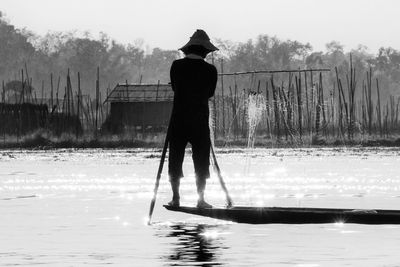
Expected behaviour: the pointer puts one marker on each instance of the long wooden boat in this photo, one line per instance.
(290, 215)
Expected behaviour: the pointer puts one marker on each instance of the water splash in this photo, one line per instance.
(256, 105)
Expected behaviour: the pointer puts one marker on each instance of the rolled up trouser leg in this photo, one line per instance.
(201, 161)
(175, 160)
(201, 156)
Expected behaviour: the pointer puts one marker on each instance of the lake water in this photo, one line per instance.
(88, 208)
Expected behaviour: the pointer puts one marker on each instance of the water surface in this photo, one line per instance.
(88, 208)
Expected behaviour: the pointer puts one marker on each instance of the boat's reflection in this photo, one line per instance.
(194, 244)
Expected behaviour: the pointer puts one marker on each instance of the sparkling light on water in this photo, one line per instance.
(339, 223)
(97, 200)
(210, 234)
(146, 220)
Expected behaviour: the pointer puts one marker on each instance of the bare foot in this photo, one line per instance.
(201, 204)
(174, 203)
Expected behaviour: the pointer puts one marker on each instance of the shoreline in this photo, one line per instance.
(44, 142)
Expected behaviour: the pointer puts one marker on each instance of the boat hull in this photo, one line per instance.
(290, 215)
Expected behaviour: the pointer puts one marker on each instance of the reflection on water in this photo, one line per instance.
(193, 244)
(75, 208)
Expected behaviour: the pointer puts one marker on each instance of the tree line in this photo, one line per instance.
(38, 57)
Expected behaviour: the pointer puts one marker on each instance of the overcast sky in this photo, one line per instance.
(168, 24)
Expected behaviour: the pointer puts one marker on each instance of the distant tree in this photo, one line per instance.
(315, 60)
(56, 52)
(269, 53)
(335, 56)
(226, 49)
(387, 69)
(157, 64)
(362, 60)
(388, 60)
(15, 49)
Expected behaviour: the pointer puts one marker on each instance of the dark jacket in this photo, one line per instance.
(193, 82)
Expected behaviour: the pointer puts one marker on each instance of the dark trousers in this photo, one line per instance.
(199, 137)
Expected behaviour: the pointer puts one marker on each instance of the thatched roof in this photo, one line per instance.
(141, 93)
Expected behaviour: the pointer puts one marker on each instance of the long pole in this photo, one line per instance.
(221, 180)
(160, 168)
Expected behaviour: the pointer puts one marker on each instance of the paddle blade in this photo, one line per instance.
(152, 204)
(229, 202)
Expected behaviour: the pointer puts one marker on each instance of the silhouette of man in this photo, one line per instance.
(193, 81)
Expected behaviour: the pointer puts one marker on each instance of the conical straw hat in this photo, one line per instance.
(201, 38)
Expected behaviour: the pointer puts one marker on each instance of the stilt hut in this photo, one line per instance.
(139, 106)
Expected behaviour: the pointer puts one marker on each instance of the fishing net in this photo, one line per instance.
(211, 124)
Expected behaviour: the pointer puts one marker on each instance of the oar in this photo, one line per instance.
(160, 167)
(221, 180)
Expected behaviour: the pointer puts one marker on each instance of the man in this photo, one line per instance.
(193, 81)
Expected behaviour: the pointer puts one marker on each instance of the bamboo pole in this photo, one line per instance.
(363, 103)
(243, 112)
(340, 108)
(236, 109)
(283, 103)
(51, 92)
(22, 96)
(143, 114)
(223, 99)
(100, 111)
(369, 102)
(289, 106)
(322, 103)
(158, 85)
(379, 108)
(233, 111)
(268, 110)
(392, 112)
(397, 113)
(108, 102)
(29, 81)
(317, 118)
(333, 113)
(42, 93)
(97, 99)
(307, 104)
(68, 96)
(343, 101)
(276, 110)
(78, 113)
(272, 71)
(58, 87)
(299, 105)
(3, 95)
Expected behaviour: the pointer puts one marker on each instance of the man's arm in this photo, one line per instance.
(213, 81)
(172, 76)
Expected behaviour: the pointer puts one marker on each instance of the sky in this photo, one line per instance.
(168, 24)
